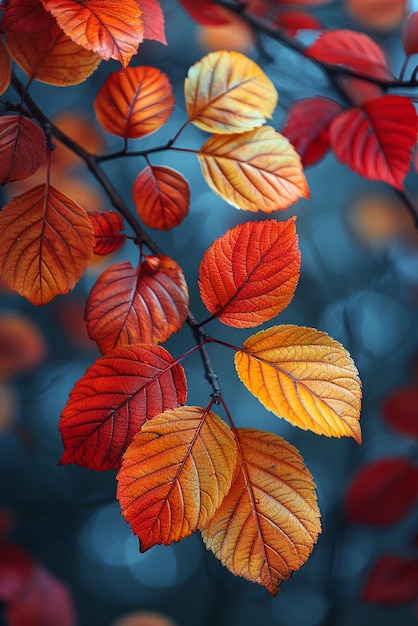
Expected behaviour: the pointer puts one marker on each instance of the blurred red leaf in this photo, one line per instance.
(15, 568)
(153, 20)
(6, 68)
(307, 127)
(383, 492)
(393, 580)
(22, 148)
(25, 16)
(293, 21)
(401, 411)
(205, 12)
(116, 395)
(376, 139)
(410, 34)
(107, 226)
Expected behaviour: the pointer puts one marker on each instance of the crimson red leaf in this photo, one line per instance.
(383, 492)
(22, 148)
(376, 139)
(15, 568)
(205, 12)
(293, 21)
(25, 16)
(307, 125)
(153, 20)
(107, 226)
(393, 580)
(116, 395)
(410, 34)
(401, 411)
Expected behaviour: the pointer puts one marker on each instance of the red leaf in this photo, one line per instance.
(393, 580)
(107, 226)
(153, 19)
(293, 21)
(22, 148)
(401, 411)
(25, 16)
(116, 395)
(410, 34)
(383, 492)
(15, 568)
(205, 12)
(376, 139)
(307, 127)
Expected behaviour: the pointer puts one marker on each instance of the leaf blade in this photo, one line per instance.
(22, 148)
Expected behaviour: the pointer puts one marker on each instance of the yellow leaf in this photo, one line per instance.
(226, 92)
(254, 171)
(304, 376)
(267, 525)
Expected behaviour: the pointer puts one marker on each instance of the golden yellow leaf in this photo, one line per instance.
(267, 525)
(254, 171)
(304, 376)
(226, 92)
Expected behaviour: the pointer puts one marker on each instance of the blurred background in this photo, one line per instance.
(359, 283)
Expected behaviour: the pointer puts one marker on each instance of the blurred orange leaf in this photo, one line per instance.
(267, 525)
(22, 148)
(25, 16)
(250, 273)
(135, 102)
(254, 171)
(8, 410)
(107, 227)
(22, 346)
(81, 130)
(5, 68)
(161, 196)
(111, 29)
(226, 92)
(137, 305)
(175, 474)
(304, 376)
(47, 241)
(378, 14)
(51, 57)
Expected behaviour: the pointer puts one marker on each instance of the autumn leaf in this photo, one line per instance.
(226, 92)
(205, 11)
(22, 148)
(111, 402)
(254, 171)
(382, 15)
(400, 410)
(409, 34)
(250, 273)
(5, 68)
(111, 29)
(22, 345)
(161, 196)
(107, 227)
(304, 376)
(15, 568)
(175, 474)
(25, 16)
(392, 580)
(376, 139)
(135, 102)
(267, 525)
(47, 241)
(153, 20)
(291, 22)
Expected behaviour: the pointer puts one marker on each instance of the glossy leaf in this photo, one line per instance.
(294, 21)
(304, 376)
(47, 241)
(250, 273)
(107, 227)
(161, 196)
(226, 92)
(111, 29)
(376, 140)
(205, 11)
(22, 345)
(135, 102)
(22, 147)
(410, 34)
(153, 20)
(5, 68)
(137, 305)
(267, 525)
(51, 57)
(307, 127)
(112, 401)
(382, 15)
(400, 410)
(393, 580)
(383, 492)
(254, 171)
(25, 16)
(175, 474)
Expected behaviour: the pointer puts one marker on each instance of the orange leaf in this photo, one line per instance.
(47, 241)
(249, 275)
(378, 14)
(161, 196)
(112, 29)
(153, 18)
(304, 376)
(111, 402)
(51, 57)
(226, 92)
(175, 474)
(5, 68)
(137, 305)
(22, 148)
(135, 102)
(25, 16)
(254, 171)
(22, 346)
(107, 226)
(267, 525)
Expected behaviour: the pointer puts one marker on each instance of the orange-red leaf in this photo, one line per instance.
(161, 196)
(111, 402)
(112, 29)
(410, 34)
(376, 140)
(5, 68)
(135, 102)
(22, 148)
(293, 21)
(378, 14)
(392, 580)
(226, 92)
(25, 16)
(22, 346)
(137, 305)
(47, 241)
(51, 57)
(249, 275)
(254, 171)
(175, 474)
(153, 20)
(267, 525)
(107, 226)
(304, 376)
